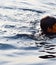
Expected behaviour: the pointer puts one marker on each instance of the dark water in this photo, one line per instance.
(20, 39)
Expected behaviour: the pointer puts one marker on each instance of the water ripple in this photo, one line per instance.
(25, 9)
(6, 46)
(21, 36)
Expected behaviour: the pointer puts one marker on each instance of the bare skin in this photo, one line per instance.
(52, 30)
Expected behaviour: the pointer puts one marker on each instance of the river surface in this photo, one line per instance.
(20, 39)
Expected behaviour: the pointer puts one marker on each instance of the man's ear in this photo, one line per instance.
(49, 29)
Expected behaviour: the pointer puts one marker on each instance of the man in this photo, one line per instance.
(48, 25)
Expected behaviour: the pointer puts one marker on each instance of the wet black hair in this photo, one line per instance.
(46, 22)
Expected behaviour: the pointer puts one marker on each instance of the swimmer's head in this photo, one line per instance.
(48, 25)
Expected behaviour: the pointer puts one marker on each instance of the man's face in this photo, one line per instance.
(52, 30)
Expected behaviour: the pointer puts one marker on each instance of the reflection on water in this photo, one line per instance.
(21, 42)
